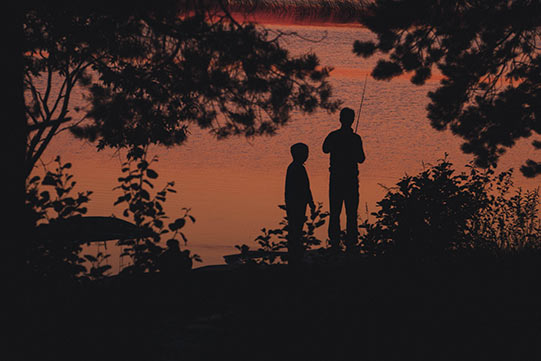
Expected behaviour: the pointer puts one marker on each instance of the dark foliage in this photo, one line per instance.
(435, 214)
(49, 200)
(384, 308)
(488, 53)
(272, 240)
(441, 212)
(152, 70)
(511, 221)
(147, 212)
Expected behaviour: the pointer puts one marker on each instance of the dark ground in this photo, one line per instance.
(373, 309)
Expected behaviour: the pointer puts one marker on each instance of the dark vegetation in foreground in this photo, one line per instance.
(50, 202)
(449, 269)
(380, 308)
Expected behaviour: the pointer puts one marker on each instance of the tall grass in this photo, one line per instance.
(511, 221)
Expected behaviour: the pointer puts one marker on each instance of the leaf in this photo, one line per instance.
(364, 48)
(103, 269)
(197, 258)
(144, 194)
(177, 224)
(148, 183)
(184, 238)
(90, 258)
(152, 174)
(57, 206)
(119, 200)
(49, 180)
(45, 196)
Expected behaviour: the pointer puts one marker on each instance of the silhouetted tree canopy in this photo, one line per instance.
(489, 55)
(152, 70)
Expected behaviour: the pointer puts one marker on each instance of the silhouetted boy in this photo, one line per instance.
(346, 152)
(297, 197)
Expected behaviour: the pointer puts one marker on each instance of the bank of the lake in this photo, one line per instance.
(380, 308)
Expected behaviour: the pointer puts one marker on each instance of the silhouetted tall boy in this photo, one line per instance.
(297, 196)
(346, 152)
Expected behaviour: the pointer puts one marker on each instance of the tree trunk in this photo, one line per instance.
(14, 142)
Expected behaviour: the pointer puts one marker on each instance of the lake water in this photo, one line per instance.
(233, 186)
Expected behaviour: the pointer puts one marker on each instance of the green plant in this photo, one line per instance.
(147, 213)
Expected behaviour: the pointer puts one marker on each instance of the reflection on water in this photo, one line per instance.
(236, 201)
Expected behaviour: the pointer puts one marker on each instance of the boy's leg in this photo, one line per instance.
(352, 206)
(294, 245)
(335, 205)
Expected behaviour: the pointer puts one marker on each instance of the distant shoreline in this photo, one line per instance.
(336, 13)
(269, 18)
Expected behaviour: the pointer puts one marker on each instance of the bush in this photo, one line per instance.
(147, 213)
(439, 211)
(275, 240)
(49, 201)
(510, 223)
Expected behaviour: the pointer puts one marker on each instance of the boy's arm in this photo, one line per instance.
(310, 198)
(309, 192)
(362, 156)
(287, 185)
(327, 144)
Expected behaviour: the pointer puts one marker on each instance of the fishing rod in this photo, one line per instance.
(361, 106)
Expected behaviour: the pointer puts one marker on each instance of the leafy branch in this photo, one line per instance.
(147, 212)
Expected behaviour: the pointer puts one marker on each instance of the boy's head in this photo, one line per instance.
(347, 116)
(299, 152)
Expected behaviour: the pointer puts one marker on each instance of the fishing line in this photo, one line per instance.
(362, 101)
